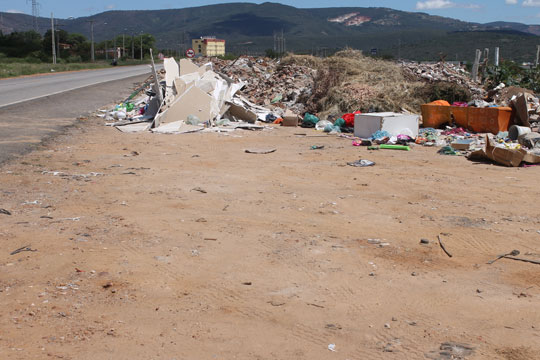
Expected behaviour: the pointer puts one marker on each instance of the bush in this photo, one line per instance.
(74, 59)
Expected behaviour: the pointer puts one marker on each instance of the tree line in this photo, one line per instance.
(71, 47)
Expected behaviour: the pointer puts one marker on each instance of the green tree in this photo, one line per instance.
(20, 44)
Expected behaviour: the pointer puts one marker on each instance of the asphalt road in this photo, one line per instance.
(25, 126)
(18, 90)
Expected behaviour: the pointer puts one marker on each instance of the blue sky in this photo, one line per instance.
(525, 11)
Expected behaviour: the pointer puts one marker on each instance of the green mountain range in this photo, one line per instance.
(250, 28)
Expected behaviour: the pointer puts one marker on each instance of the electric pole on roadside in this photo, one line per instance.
(141, 49)
(52, 37)
(92, 56)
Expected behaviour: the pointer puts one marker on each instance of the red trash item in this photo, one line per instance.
(349, 118)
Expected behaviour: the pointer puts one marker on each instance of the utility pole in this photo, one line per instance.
(57, 27)
(537, 62)
(497, 56)
(141, 49)
(124, 44)
(107, 50)
(92, 39)
(52, 37)
(132, 46)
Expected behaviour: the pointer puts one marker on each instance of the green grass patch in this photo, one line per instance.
(14, 68)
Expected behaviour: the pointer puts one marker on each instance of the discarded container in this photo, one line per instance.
(367, 124)
(491, 120)
(516, 131)
(434, 116)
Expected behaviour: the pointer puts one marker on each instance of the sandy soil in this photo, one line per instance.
(186, 247)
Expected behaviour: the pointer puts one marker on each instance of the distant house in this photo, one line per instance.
(209, 46)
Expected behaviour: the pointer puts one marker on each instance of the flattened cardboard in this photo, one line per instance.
(290, 119)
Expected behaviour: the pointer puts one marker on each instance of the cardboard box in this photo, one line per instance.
(290, 119)
(462, 144)
(367, 124)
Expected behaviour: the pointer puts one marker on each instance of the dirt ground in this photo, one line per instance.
(186, 247)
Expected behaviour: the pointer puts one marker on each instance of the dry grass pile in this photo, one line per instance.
(350, 81)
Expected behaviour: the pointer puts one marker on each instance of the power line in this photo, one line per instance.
(35, 14)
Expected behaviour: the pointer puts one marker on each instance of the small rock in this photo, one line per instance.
(414, 273)
(387, 326)
(394, 319)
(371, 274)
(478, 291)
(424, 241)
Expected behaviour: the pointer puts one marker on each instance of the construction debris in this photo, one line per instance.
(337, 95)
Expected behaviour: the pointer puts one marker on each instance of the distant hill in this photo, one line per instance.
(251, 28)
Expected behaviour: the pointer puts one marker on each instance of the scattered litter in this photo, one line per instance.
(198, 189)
(21, 249)
(512, 253)
(5, 212)
(317, 147)
(361, 163)
(451, 350)
(523, 260)
(260, 151)
(332, 347)
(395, 147)
(442, 246)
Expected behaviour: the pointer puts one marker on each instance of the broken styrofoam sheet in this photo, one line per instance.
(188, 67)
(260, 111)
(172, 71)
(193, 101)
(133, 128)
(177, 127)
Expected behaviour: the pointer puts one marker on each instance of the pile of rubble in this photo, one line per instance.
(443, 72)
(187, 98)
(268, 82)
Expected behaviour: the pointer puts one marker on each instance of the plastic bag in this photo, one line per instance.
(322, 124)
(193, 120)
(310, 119)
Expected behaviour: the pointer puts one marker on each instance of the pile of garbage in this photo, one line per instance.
(223, 96)
(268, 82)
(443, 72)
(184, 98)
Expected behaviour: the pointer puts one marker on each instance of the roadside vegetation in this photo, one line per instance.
(27, 53)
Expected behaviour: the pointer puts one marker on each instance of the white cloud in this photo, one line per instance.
(531, 2)
(444, 4)
(110, 6)
(15, 11)
(511, 2)
(434, 4)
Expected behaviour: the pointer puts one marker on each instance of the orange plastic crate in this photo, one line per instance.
(481, 120)
(491, 120)
(435, 115)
